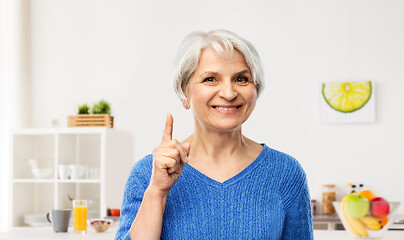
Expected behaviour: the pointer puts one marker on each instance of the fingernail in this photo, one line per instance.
(186, 159)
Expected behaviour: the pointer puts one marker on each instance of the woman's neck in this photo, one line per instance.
(221, 155)
(215, 145)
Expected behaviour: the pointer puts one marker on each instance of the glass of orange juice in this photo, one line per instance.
(80, 216)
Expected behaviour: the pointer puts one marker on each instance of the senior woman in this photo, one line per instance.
(217, 183)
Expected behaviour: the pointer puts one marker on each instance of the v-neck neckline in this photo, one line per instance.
(242, 174)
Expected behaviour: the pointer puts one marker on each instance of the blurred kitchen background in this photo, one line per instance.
(56, 55)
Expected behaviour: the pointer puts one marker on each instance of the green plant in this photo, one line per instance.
(102, 107)
(84, 109)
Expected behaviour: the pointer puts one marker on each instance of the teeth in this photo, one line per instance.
(226, 109)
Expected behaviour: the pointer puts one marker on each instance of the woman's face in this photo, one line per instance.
(221, 91)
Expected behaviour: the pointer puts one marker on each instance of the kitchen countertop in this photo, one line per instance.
(326, 218)
(45, 233)
(332, 220)
(338, 235)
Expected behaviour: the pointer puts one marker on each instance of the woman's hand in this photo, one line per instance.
(168, 160)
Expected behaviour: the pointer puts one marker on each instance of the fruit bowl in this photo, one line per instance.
(100, 225)
(366, 220)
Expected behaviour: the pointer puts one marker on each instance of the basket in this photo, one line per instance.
(90, 120)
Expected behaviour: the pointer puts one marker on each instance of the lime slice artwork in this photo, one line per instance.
(347, 97)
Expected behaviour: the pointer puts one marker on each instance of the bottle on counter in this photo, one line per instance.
(352, 188)
(313, 207)
(360, 188)
(329, 196)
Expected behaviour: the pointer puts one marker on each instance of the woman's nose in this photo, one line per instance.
(227, 91)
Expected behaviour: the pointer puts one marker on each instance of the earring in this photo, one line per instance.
(186, 104)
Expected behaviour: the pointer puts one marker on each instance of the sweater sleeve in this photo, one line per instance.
(132, 198)
(298, 222)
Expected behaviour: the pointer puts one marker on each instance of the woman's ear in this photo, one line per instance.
(185, 103)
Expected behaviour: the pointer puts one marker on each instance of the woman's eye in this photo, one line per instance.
(242, 79)
(209, 79)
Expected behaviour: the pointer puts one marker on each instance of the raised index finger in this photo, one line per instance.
(168, 130)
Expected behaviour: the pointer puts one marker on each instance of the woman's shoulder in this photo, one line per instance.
(283, 161)
(279, 156)
(144, 163)
(142, 168)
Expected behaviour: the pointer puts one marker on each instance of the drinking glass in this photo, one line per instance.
(80, 216)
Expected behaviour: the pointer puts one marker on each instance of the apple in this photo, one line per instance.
(379, 207)
(356, 206)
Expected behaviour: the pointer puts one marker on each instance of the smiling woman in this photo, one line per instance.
(217, 183)
(221, 91)
(224, 43)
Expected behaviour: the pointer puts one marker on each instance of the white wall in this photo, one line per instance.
(14, 86)
(82, 51)
(3, 181)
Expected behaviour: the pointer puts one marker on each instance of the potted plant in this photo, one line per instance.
(84, 109)
(100, 117)
(102, 107)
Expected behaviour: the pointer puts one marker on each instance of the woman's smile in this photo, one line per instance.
(231, 109)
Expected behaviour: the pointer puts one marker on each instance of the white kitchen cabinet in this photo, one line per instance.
(105, 153)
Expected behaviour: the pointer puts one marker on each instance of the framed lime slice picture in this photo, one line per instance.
(347, 97)
(347, 102)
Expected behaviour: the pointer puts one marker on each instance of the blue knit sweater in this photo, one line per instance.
(267, 200)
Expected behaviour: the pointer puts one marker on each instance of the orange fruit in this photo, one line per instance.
(384, 221)
(368, 194)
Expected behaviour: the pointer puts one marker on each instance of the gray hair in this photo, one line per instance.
(221, 41)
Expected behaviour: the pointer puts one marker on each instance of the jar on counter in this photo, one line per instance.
(329, 196)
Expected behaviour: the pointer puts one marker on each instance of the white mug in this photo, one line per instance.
(77, 171)
(64, 172)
